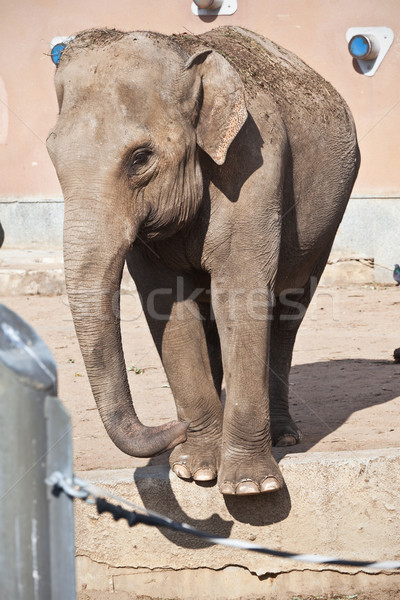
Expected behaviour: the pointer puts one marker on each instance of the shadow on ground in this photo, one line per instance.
(260, 510)
(323, 396)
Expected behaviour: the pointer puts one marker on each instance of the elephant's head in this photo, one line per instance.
(133, 109)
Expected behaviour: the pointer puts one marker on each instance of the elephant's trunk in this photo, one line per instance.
(94, 261)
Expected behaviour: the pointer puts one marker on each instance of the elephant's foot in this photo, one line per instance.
(285, 432)
(244, 475)
(197, 458)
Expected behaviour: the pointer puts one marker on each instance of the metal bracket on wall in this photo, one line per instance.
(57, 46)
(214, 7)
(368, 46)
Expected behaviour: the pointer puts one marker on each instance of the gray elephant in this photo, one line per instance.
(219, 167)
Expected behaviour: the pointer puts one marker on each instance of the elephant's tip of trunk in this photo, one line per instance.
(179, 431)
(151, 441)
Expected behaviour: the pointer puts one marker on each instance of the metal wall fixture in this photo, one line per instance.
(214, 7)
(368, 46)
(57, 46)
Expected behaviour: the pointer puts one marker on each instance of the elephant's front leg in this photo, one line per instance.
(174, 318)
(243, 318)
(186, 360)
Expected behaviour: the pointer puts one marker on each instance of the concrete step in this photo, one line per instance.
(27, 272)
(343, 504)
(31, 272)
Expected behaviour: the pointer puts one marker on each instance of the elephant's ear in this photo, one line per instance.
(223, 109)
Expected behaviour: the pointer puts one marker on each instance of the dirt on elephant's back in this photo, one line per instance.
(265, 67)
(90, 38)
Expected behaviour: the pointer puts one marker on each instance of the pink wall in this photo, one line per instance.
(314, 29)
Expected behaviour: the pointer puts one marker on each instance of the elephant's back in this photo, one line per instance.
(268, 69)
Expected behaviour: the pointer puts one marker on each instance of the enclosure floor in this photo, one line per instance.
(345, 387)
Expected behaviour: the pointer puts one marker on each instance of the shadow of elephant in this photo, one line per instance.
(259, 510)
(324, 406)
(321, 402)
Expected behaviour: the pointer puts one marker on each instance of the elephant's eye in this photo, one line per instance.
(140, 158)
(135, 165)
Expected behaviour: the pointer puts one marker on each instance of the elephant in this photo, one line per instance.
(218, 167)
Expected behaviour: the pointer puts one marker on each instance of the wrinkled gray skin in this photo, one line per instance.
(178, 165)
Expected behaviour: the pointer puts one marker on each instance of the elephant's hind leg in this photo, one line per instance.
(289, 311)
(284, 430)
(213, 345)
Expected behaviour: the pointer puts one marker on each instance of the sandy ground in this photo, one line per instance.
(345, 387)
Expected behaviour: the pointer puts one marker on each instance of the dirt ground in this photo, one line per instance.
(345, 386)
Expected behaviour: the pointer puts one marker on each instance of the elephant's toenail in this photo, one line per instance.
(204, 475)
(182, 471)
(227, 488)
(247, 487)
(270, 484)
(286, 440)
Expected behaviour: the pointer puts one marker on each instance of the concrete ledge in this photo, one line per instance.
(347, 271)
(343, 504)
(31, 272)
(21, 282)
(28, 272)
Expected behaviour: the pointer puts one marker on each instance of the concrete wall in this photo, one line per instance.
(314, 29)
